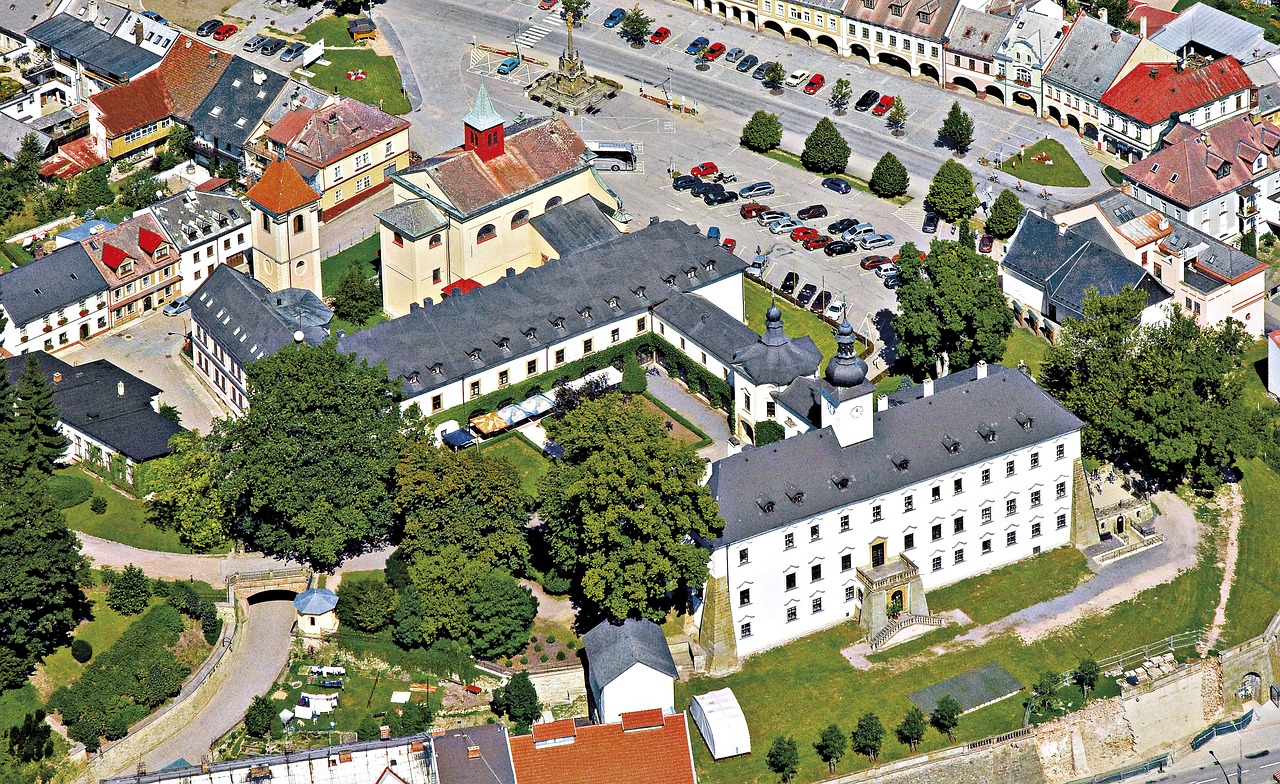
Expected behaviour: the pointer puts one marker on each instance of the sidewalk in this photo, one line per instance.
(706, 419)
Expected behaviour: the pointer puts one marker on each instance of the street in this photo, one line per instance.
(1256, 749)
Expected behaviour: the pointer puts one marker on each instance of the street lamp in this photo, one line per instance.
(1225, 777)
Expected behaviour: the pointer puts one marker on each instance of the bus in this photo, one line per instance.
(614, 156)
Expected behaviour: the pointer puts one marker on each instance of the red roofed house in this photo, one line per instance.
(1221, 181)
(1149, 16)
(1147, 102)
(140, 265)
(285, 217)
(645, 747)
(466, 212)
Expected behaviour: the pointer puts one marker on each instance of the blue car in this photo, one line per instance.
(836, 184)
(615, 17)
(508, 65)
(153, 16)
(697, 44)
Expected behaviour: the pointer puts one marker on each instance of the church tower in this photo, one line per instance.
(285, 216)
(482, 128)
(847, 404)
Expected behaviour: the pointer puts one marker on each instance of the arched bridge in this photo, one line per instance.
(259, 585)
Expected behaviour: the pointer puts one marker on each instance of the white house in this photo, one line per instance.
(53, 302)
(629, 668)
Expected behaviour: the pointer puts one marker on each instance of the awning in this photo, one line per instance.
(489, 423)
(553, 450)
(458, 438)
(538, 404)
(512, 414)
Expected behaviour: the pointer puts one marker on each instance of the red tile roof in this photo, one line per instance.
(334, 131)
(281, 189)
(554, 730)
(1184, 172)
(290, 125)
(463, 285)
(212, 184)
(148, 240)
(113, 257)
(137, 238)
(642, 719)
(1152, 92)
(608, 754)
(1156, 17)
(1275, 337)
(134, 104)
(72, 158)
(190, 69)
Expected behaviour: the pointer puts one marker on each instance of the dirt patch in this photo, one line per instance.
(189, 13)
(676, 430)
(1230, 502)
(192, 649)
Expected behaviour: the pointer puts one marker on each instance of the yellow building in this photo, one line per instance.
(345, 149)
(285, 220)
(130, 117)
(463, 215)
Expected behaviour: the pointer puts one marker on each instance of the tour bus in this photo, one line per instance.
(614, 156)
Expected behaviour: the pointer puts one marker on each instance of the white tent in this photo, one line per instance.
(722, 723)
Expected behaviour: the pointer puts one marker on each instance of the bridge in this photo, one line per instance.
(259, 585)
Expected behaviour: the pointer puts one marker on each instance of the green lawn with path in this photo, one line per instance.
(382, 86)
(1025, 346)
(994, 595)
(795, 320)
(332, 29)
(124, 521)
(1064, 173)
(523, 455)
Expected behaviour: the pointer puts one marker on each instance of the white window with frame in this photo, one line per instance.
(363, 183)
(362, 159)
(337, 171)
(389, 149)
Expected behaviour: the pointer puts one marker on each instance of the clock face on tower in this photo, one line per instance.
(856, 412)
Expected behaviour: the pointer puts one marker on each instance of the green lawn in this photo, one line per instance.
(797, 321)
(521, 453)
(1255, 376)
(1024, 345)
(15, 704)
(858, 184)
(383, 87)
(123, 522)
(1255, 597)
(104, 629)
(333, 29)
(991, 596)
(1063, 173)
(363, 694)
(333, 268)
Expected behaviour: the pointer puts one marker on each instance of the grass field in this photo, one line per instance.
(362, 695)
(991, 596)
(333, 268)
(1255, 597)
(105, 628)
(124, 521)
(383, 87)
(522, 454)
(1063, 173)
(333, 29)
(796, 321)
(1025, 346)
(15, 704)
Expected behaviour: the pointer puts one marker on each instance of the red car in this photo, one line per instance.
(817, 243)
(872, 262)
(704, 169)
(225, 32)
(714, 51)
(752, 209)
(815, 84)
(730, 244)
(802, 233)
(659, 35)
(547, 5)
(886, 103)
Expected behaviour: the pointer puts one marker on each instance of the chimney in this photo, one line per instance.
(1164, 224)
(137, 32)
(1102, 14)
(259, 76)
(120, 388)
(1153, 73)
(413, 306)
(982, 369)
(213, 58)
(882, 402)
(1062, 229)
(426, 302)
(511, 272)
(473, 752)
(1142, 27)
(332, 124)
(1115, 36)
(91, 11)
(57, 377)
(927, 384)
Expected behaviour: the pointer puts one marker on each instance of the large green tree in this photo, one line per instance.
(831, 746)
(180, 136)
(636, 25)
(309, 468)
(257, 719)
(93, 190)
(445, 580)
(912, 728)
(783, 757)
(841, 92)
(958, 127)
(825, 150)
(623, 513)
(518, 701)
(468, 499)
(1006, 211)
(951, 193)
(946, 716)
(763, 132)
(35, 421)
(868, 736)
(365, 603)
(187, 498)
(889, 178)
(26, 165)
(953, 314)
(130, 591)
(358, 297)
(774, 74)
(1166, 400)
(502, 613)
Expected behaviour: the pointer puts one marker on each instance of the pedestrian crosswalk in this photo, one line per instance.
(532, 36)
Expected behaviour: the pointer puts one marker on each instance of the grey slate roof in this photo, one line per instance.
(315, 601)
(613, 648)
(977, 33)
(1210, 31)
(1268, 98)
(915, 430)
(13, 132)
(414, 219)
(236, 96)
(776, 358)
(38, 288)
(1088, 62)
(443, 335)
(1066, 265)
(706, 324)
(294, 92)
(250, 321)
(93, 46)
(576, 225)
(88, 398)
(1040, 32)
(199, 211)
(17, 16)
(494, 766)
(806, 396)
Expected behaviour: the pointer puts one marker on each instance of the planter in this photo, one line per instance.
(703, 67)
(898, 132)
(62, 322)
(777, 91)
(637, 45)
(84, 313)
(48, 327)
(841, 112)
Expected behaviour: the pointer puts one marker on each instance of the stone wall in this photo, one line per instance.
(1089, 741)
(559, 686)
(1258, 657)
(1174, 708)
(1016, 762)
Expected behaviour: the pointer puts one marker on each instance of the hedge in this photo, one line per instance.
(116, 472)
(67, 490)
(705, 441)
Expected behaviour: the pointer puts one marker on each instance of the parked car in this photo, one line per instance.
(702, 188)
(769, 216)
(660, 35)
(685, 182)
(930, 223)
(272, 46)
(716, 198)
(821, 302)
(208, 28)
(713, 233)
(734, 55)
(839, 248)
(986, 243)
(153, 16)
(615, 17)
(714, 51)
(508, 65)
(761, 70)
(796, 78)
(887, 271)
(752, 210)
(817, 243)
(842, 225)
(873, 241)
(837, 184)
(696, 44)
(815, 84)
(292, 52)
(875, 262)
(789, 283)
(806, 294)
(782, 226)
(756, 190)
(812, 211)
(835, 308)
(747, 63)
(867, 100)
(858, 232)
(225, 32)
(802, 233)
(547, 5)
(892, 282)
(729, 244)
(705, 169)
(255, 43)
(179, 305)
(884, 105)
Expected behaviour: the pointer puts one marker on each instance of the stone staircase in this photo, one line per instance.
(903, 621)
(716, 634)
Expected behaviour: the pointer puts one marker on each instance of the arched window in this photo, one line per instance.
(520, 218)
(554, 201)
(486, 233)
(297, 224)
(301, 265)
(435, 241)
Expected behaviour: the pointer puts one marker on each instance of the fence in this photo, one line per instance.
(1222, 728)
(1170, 644)
(1155, 764)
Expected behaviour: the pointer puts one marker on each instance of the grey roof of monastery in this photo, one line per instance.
(414, 219)
(1088, 60)
(49, 284)
(775, 357)
(250, 321)
(575, 225)
(1206, 28)
(614, 648)
(806, 396)
(813, 463)
(978, 33)
(707, 325)
(433, 345)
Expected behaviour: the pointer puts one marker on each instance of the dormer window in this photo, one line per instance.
(503, 344)
(795, 494)
(692, 273)
(895, 9)
(474, 355)
(412, 378)
(585, 313)
(950, 444)
(765, 503)
(531, 334)
(901, 462)
(1024, 421)
(670, 280)
(126, 268)
(840, 481)
(639, 292)
(868, 3)
(988, 432)
(557, 322)
(1223, 170)
(613, 302)
(924, 17)
(437, 370)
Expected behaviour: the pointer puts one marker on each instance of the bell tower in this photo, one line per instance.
(285, 215)
(483, 133)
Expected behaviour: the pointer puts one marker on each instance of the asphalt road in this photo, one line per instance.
(1256, 750)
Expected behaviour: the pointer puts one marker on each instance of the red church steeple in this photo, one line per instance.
(482, 128)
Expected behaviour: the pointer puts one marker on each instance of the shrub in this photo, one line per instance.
(98, 505)
(763, 132)
(571, 644)
(544, 658)
(130, 592)
(524, 659)
(551, 638)
(768, 432)
(68, 491)
(537, 648)
(257, 720)
(81, 650)
(560, 656)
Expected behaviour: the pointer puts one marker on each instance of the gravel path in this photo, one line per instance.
(1231, 503)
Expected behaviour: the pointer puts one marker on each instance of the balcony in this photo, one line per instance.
(889, 575)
